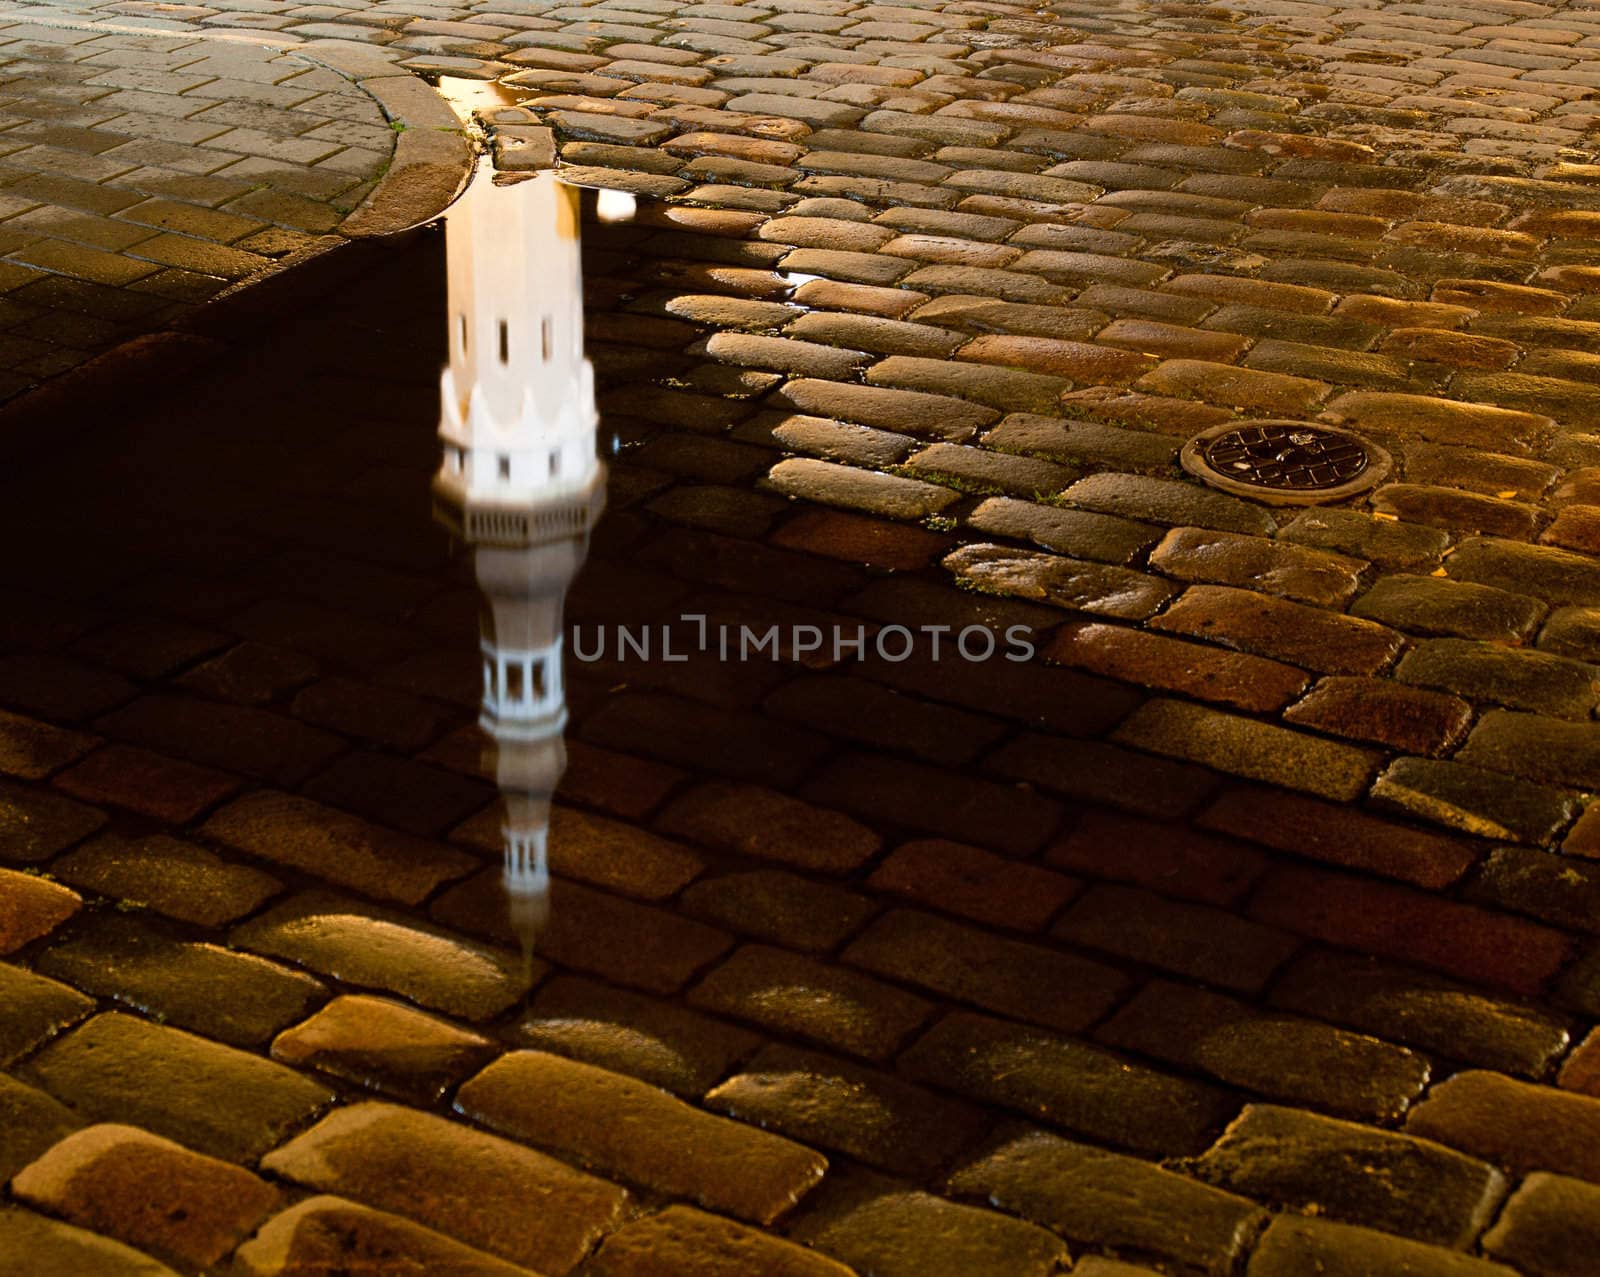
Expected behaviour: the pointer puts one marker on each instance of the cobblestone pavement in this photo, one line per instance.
(1250, 929)
(142, 174)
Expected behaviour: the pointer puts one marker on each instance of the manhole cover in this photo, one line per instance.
(1285, 462)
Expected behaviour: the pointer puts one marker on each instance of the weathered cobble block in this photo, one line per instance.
(1109, 1200)
(1068, 1084)
(631, 1130)
(475, 1187)
(1353, 1173)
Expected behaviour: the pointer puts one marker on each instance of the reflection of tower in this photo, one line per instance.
(520, 482)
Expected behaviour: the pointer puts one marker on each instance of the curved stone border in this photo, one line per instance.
(1193, 459)
(433, 158)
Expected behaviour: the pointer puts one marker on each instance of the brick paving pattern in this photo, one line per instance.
(141, 174)
(1251, 928)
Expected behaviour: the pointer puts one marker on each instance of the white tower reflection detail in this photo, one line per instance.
(520, 482)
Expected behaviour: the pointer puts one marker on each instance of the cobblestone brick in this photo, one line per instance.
(1518, 1125)
(1459, 511)
(1444, 421)
(830, 484)
(1237, 388)
(31, 750)
(38, 1009)
(1294, 1059)
(999, 975)
(259, 743)
(771, 826)
(1354, 1174)
(1083, 441)
(1246, 682)
(877, 1225)
(1325, 642)
(385, 1046)
(361, 944)
(663, 1044)
(174, 878)
(1193, 940)
(935, 416)
(1396, 546)
(162, 788)
(1068, 1084)
(1092, 771)
(1547, 1227)
(1384, 713)
(1077, 533)
(602, 1116)
(35, 825)
(33, 1123)
(1096, 588)
(472, 1186)
(1386, 921)
(1108, 1200)
(1308, 576)
(770, 904)
(1172, 859)
(680, 1238)
(988, 471)
(734, 743)
(211, 1098)
(864, 1114)
(148, 1192)
(1557, 576)
(52, 1246)
(1247, 748)
(1421, 1010)
(1507, 676)
(32, 907)
(1167, 501)
(973, 882)
(304, 835)
(1477, 802)
(237, 999)
(822, 1004)
(1434, 605)
(1293, 1245)
(1537, 883)
(326, 1232)
(1581, 1071)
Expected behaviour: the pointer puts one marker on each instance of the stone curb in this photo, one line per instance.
(432, 159)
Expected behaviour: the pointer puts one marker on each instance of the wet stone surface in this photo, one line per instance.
(1264, 882)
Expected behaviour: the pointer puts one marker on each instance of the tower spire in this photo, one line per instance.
(521, 483)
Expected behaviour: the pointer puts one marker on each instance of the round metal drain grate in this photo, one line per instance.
(1286, 462)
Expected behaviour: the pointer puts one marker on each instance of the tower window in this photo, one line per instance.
(546, 338)
(555, 464)
(505, 342)
(461, 325)
(513, 682)
(505, 466)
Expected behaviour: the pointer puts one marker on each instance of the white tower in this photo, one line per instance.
(520, 482)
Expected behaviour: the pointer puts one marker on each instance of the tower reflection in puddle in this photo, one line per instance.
(520, 483)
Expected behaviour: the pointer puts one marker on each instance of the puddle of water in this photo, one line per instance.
(468, 96)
